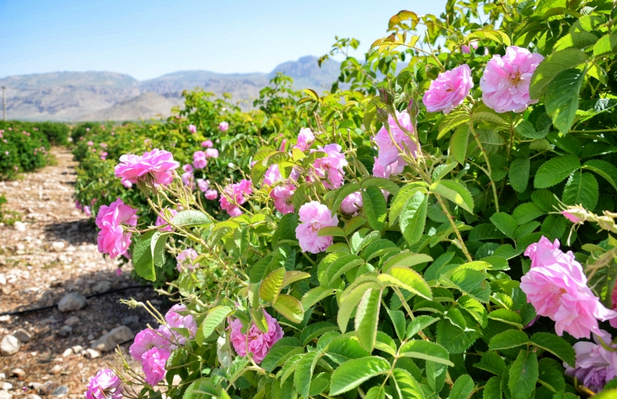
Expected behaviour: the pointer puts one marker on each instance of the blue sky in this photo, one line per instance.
(149, 38)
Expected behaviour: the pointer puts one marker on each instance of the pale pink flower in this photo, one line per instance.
(185, 259)
(212, 153)
(330, 167)
(305, 139)
(188, 168)
(90, 143)
(170, 213)
(505, 83)
(595, 365)
(223, 126)
(188, 180)
(203, 185)
(112, 239)
(192, 129)
(466, 50)
(282, 195)
(145, 340)
(314, 216)
(272, 175)
(104, 385)
(153, 363)
(127, 184)
(556, 286)
(199, 160)
(449, 90)
(211, 194)
(389, 161)
(576, 215)
(207, 144)
(87, 210)
(234, 195)
(176, 320)
(157, 163)
(118, 272)
(352, 203)
(259, 343)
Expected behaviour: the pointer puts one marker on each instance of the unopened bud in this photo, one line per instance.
(606, 223)
(382, 115)
(386, 97)
(576, 215)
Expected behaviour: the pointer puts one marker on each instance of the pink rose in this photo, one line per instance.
(595, 365)
(330, 167)
(223, 126)
(146, 340)
(176, 320)
(104, 385)
(211, 194)
(199, 160)
(352, 203)
(212, 153)
(257, 343)
(272, 175)
(185, 259)
(153, 363)
(282, 195)
(234, 195)
(314, 216)
(466, 50)
(203, 185)
(207, 144)
(192, 129)
(449, 90)
(157, 163)
(557, 288)
(389, 161)
(112, 239)
(188, 168)
(505, 83)
(305, 139)
(170, 213)
(187, 180)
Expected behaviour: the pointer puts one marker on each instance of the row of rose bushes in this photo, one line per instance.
(428, 207)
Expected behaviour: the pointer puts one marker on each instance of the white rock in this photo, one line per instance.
(7, 386)
(57, 246)
(19, 373)
(68, 352)
(5, 395)
(72, 321)
(9, 345)
(57, 369)
(19, 226)
(71, 302)
(2, 279)
(77, 349)
(22, 335)
(109, 341)
(33, 396)
(2, 376)
(91, 354)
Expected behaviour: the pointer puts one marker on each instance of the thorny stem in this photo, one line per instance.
(488, 165)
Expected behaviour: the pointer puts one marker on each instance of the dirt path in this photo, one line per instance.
(53, 253)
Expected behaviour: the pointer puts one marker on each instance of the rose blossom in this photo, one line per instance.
(157, 163)
(352, 203)
(449, 90)
(595, 365)
(188, 168)
(331, 166)
(153, 362)
(259, 343)
(192, 129)
(305, 139)
(203, 185)
(170, 213)
(212, 153)
(211, 194)
(272, 175)
(104, 385)
(281, 195)
(145, 340)
(223, 126)
(505, 83)
(466, 50)
(199, 160)
(207, 144)
(185, 259)
(557, 288)
(389, 161)
(188, 180)
(314, 216)
(176, 320)
(235, 194)
(112, 239)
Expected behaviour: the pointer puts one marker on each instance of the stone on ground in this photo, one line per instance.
(117, 336)
(71, 302)
(9, 345)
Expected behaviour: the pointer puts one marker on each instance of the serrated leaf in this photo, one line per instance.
(581, 188)
(523, 375)
(191, 218)
(304, 373)
(271, 286)
(455, 192)
(214, 317)
(492, 362)
(561, 99)
(289, 307)
(331, 231)
(420, 323)
(450, 121)
(367, 317)
(426, 350)
(375, 207)
(413, 217)
(352, 373)
(508, 339)
(454, 339)
(142, 257)
(555, 170)
(555, 345)
(412, 281)
(462, 388)
(606, 45)
(492, 389)
(551, 67)
(519, 174)
(406, 386)
(458, 144)
(605, 169)
(505, 223)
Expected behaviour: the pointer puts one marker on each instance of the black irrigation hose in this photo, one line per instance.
(17, 312)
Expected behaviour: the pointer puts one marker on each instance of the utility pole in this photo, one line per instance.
(4, 102)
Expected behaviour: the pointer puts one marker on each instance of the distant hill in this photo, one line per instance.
(92, 95)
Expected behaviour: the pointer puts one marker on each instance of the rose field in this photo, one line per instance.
(440, 223)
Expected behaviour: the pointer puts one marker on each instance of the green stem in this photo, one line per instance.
(488, 165)
(453, 224)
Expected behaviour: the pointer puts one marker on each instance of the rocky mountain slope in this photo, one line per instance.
(93, 95)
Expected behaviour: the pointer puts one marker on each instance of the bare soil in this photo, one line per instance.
(38, 271)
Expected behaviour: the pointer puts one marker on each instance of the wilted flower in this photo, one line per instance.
(330, 167)
(314, 216)
(223, 126)
(112, 238)
(557, 288)
(505, 83)
(595, 365)
(389, 161)
(255, 341)
(104, 385)
(157, 163)
(234, 195)
(449, 90)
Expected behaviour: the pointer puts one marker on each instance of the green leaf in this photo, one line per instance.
(272, 285)
(553, 227)
(493, 363)
(508, 339)
(523, 374)
(353, 225)
(157, 246)
(304, 373)
(458, 144)
(555, 170)
(293, 276)
(375, 207)
(343, 348)
(331, 231)
(343, 192)
(349, 302)
(420, 323)
(454, 339)
(581, 188)
(525, 213)
(551, 67)
(413, 217)
(381, 183)
(214, 317)
(462, 388)
(289, 307)
(315, 330)
(492, 389)
(315, 295)
(426, 350)
(450, 121)
(606, 45)
(556, 345)
(485, 231)
(528, 131)
(338, 267)
(519, 174)
(405, 258)
(551, 375)
(505, 223)
(471, 282)
(455, 192)
(561, 100)
(191, 218)
(402, 197)
(580, 40)
(545, 200)
(367, 317)
(506, 316)
(142, 257)
(352, 373)
(406, 386)
(605, 169)
(412, 281)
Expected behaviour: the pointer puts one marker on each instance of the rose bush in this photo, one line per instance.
(412, 249)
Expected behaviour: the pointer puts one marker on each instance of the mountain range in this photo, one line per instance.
(100, 96)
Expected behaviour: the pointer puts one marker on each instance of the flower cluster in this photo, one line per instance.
(112, 239)
(390, 144)
(235, 195)
(282, 189)
(199, 160)
(104, 385)
(255, 342)
(314, 217)
(330, 167)
(157, 163)
(557, 288)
